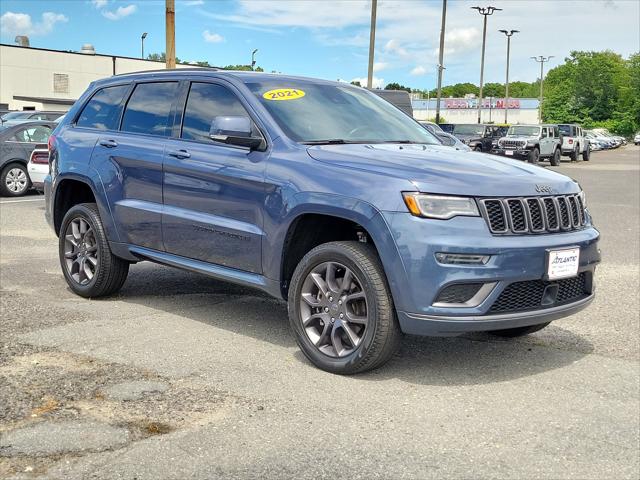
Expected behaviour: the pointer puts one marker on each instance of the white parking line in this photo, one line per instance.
(2, 202)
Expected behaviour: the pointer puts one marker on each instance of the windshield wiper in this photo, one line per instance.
(331, 141)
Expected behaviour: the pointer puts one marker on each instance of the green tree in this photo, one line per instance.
(356, 83)
(244, 68)
(397, 86)
(160, 57)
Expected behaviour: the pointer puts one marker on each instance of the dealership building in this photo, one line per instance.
(42, 79)
(465, 110)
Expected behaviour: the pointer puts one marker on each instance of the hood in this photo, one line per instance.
(444, 170)
(467, 137)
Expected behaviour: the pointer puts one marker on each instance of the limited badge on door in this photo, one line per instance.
(563, 263)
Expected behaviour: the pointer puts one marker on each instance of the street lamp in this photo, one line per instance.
(253, 58)
(541, 60)
(509, 34)
(485, 12)
(144, 35)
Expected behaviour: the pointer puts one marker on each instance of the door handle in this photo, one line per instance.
(179, 154)
(108, 143)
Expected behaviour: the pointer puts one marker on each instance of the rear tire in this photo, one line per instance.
(555, 160)
(343, 327)
(88, 265)
(586, 154)
(519, 331)
(477, 148)
(574, 155)
(14, 180)
(534, 156)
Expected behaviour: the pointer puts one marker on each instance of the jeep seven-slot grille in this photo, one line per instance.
(539, 294)
(512, 143)
(508, 216)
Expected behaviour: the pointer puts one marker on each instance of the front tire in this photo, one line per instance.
(88, 265)
(555, 160)
(14, 180)
(477, 148)
(534, 155)
(341, 310)
(586, 154)
(519, 331)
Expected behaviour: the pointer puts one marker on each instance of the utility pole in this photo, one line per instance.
(253, 58)
(441, 58)
(170, 33)
(142, 37)
(509, 34)
(485, 12)
(541, 60)
(372, 42)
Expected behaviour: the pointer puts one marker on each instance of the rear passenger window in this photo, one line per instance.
(206, 101)
(149, 108)
(103, 110)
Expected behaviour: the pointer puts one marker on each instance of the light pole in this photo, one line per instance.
(509, 34)
(485, 12)
(441, 58)
(372, 42)
(253, 58)
(144, 35)
(541, 60)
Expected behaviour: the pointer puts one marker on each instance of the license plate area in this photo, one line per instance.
(509, 153)
(562, 263)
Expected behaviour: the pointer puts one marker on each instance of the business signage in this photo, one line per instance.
(461, 103)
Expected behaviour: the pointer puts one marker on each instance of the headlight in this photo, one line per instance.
(439, 206)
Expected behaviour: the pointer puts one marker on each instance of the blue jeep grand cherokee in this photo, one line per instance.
(320, 193)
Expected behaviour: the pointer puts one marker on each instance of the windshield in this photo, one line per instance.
(468, 130)
(524, 131)
(311, 112)
(15, 115)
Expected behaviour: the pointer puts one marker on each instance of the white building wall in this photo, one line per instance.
(526, 116)
(29, 72)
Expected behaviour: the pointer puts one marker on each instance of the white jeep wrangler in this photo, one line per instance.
(574, 142)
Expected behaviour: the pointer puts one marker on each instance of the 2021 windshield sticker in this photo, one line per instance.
(283, 94)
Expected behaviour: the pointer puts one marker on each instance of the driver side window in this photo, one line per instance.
(206, 101)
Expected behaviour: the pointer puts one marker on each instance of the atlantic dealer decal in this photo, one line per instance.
(283, 94)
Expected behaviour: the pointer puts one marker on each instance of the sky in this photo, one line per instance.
(330, 39)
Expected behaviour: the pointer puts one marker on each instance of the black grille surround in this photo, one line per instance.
(541, 294)
(458, 293)
(533, 215)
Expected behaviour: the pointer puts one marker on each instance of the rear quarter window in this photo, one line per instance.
(103, 110)
(149, 108)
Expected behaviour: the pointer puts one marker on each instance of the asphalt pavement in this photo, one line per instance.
(181, 376)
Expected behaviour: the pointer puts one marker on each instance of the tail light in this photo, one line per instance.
(40, 157)
(51, 143)
(570, 141)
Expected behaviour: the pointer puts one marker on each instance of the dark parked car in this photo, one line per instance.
(16, 143)
(319, 193)
(13, 118)
(478, 136)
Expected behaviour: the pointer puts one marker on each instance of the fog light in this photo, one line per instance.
(461, 259)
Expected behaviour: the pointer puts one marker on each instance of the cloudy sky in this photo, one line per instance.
(329, 39)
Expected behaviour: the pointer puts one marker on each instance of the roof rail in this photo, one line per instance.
(165, 70)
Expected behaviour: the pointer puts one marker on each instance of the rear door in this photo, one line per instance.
(545, 142)
(214, 194)
(25, 139)
(130, 162)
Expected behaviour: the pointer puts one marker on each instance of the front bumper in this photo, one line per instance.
(520, 153)
(516, 258)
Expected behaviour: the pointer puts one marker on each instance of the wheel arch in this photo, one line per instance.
(308, 223)
(69, 191)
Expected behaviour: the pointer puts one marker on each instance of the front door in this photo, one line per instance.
(213, 193)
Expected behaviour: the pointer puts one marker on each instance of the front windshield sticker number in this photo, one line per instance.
(283, 94)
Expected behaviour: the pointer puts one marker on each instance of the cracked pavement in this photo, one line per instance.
(212, 385)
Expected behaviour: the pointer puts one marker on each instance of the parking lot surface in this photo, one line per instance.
(181, 376)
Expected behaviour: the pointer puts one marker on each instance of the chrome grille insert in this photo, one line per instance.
(517, 216)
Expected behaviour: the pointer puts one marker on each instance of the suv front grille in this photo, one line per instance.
(537, 294)
(509, 216)
(511, 144)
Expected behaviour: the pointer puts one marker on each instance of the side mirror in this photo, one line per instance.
(234, 130)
